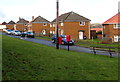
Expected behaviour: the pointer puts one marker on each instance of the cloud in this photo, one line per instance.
(2, 15)
(119, 6)
(95, 10)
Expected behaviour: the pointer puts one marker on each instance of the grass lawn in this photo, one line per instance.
(95, 42)
(24, 60)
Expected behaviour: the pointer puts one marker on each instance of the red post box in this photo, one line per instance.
(68, 38)
(60, 40)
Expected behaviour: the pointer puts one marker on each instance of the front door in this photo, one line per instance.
(44, 32)
(81, 35)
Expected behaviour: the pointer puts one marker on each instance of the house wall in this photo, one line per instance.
(38, 27)
(52, 29)
(73, 29)
(116, 32)
(109, 31)
(10, 26)
(21, 27)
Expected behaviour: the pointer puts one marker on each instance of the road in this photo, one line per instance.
(72, 48)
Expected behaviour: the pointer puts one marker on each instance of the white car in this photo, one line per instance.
(16, 32)
(4, 30)
(8, 31)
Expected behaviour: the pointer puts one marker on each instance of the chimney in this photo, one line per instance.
(19, 18)
(32, 18)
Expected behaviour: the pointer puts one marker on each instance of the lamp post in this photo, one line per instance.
(57, 22)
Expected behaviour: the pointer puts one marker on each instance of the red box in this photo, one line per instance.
(60, 40)
(68, 38)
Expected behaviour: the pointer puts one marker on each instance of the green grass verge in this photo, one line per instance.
(24, 60)
(95, 42)
(87, 43)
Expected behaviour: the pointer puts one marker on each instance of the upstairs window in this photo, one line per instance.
(25, 24)
(82, 23)
(117, 26)
(53, 25)
(44, 24)
(50, 25)
(62, 24)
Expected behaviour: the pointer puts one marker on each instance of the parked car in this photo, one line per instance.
(64, 41)
(16, 32)
(8, 31)
(4, 30)
(27, 34)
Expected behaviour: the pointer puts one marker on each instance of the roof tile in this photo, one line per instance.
(71, 17)
(114, 19)
(40, 20)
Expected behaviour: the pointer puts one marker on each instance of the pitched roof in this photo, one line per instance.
(23, 21)
(71, 17)
(11, 22)
(114, 19)
(40, 19)
(4, 23)
(97, 29)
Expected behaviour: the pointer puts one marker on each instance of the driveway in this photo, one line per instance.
(72, 48)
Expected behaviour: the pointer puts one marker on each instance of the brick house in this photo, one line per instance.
(10, 25)
(22, 25)
(40, 25)
(73, 24)
(111, 28)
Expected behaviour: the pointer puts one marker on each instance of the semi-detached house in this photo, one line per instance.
(10, 25)
(72, 24)
(40, 25)
(111, 28)
(22, 25)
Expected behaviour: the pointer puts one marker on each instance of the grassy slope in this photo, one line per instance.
(26, 60)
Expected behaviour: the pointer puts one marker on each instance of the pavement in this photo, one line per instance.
(72, 48)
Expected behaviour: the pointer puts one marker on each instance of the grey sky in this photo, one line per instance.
(95, 10)
(119, 6)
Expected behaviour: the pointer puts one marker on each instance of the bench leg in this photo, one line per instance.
(110, 53)
(94, 51)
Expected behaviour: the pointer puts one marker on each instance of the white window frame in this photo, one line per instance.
(51, 32)
(44, 24)
(62, 24)
(82, 23)
(25, 24)
(116, 38)
(53, 25)
(117, 26)
(50, 25)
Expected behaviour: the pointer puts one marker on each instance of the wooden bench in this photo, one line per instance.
(103, 48)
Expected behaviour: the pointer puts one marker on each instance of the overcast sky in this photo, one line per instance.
(97, 11)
